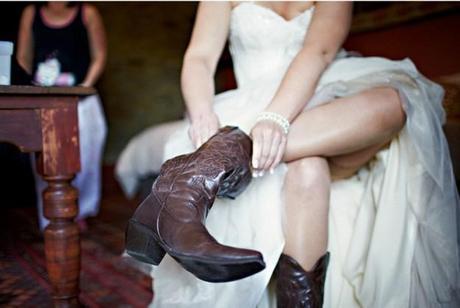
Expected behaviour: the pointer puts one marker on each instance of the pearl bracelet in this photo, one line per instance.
(274, 117)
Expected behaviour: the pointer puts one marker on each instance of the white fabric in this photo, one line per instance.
(393, 228)
(92, 133)
(143, 156)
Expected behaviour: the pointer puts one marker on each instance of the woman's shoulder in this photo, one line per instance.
(89, 8)
(28, 15)
(90, 12)
(29, 11)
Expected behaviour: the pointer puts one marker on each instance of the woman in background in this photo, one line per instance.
(64, 44)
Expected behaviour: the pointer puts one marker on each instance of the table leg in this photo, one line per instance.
(62, 241)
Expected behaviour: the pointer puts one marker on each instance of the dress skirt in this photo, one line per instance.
(392, 226)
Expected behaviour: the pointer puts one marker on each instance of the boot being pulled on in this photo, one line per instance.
(171, 219)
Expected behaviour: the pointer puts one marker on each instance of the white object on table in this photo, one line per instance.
(6, 50)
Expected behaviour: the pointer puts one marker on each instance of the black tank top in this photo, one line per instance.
(69, 44)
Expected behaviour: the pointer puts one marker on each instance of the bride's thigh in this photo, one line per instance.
(346, 165)
(346, 125)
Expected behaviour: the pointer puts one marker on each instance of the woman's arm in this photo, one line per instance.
(197, 78)
(328, 29)
(25, 51)
(97, 44)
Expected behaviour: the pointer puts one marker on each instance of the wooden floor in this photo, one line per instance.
(107, 278)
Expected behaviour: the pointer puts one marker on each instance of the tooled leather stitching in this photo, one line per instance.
(224, 159)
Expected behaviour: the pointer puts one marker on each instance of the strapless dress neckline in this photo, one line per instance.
(272, 12)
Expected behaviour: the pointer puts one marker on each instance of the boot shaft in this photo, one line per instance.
(221, 166)
(297, 288)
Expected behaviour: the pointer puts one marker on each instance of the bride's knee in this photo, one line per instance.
(390, 114)
(308, 173)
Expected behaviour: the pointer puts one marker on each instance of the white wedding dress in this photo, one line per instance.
(392, 227)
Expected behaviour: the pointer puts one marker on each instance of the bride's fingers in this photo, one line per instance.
(193, 136)
(208, 133)
(190, 135)
(265, 150)
(211, 131)
(279, 154)
(204, 134)
(273, 150)
(256, 150)
(200, 138)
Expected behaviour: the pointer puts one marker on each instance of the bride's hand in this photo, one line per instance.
(269, 144)
(202, 128)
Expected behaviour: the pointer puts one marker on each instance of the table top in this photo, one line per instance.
(39, 91)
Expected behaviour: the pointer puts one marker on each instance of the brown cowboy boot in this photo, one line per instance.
(297, 288)
(171, 219)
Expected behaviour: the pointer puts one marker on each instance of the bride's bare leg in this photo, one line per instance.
(347, 132)
(306, 195)
(346, 125)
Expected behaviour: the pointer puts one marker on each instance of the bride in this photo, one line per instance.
(348, 158)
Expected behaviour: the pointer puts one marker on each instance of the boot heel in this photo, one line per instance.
(142, 245)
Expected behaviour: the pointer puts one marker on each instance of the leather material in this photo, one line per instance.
(175, 211)
(297, 288)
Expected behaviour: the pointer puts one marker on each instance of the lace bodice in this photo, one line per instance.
(263, 43)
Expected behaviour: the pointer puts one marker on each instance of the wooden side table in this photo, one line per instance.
(45, 121)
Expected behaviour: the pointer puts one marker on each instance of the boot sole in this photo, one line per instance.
(142, 244)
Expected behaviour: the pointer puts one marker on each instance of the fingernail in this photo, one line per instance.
(261, 174)
(272, 171)
(254, 174)
(255, 163)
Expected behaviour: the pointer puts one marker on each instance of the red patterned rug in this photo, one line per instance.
(106, 280)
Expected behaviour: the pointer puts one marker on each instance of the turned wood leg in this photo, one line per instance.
(45, 121)
(58, 163)
(62, 242)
